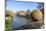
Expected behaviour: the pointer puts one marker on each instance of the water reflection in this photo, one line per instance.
(19, 21)
(24, 23)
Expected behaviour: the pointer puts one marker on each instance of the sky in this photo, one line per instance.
(20, 5)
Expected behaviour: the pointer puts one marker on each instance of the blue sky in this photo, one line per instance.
(17, 5)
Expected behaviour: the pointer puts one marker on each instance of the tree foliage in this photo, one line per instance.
(9, 13)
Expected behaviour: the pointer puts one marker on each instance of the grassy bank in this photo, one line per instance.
(8, 23)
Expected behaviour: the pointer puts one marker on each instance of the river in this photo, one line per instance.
(20, 21)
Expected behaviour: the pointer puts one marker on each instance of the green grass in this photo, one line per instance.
(8, 24)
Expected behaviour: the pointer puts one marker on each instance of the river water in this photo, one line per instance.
(20, 21)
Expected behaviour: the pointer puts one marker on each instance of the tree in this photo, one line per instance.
(28, 15)
(9, 13)
(28, 10)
